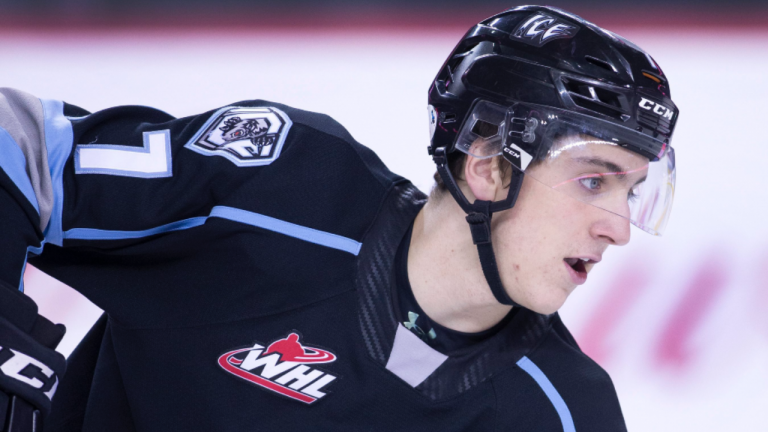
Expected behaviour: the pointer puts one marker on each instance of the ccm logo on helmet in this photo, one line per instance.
(657, 108)
(282, 368)
(28, 370)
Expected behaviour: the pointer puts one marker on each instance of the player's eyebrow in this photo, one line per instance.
(610, 166)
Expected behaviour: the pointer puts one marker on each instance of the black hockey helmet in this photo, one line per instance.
(521, 81)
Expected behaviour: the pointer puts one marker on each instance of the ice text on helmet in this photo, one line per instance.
(541, 28)
(657, 108)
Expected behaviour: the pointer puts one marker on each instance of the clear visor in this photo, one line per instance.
(596, 162)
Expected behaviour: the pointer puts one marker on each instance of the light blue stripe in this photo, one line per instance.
(242, 216)
(97, 234)
(30, 249)
(300, 232)
(557, 401)
(58, 142)
(13, 162)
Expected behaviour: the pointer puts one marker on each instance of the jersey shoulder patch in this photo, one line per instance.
(247, 136)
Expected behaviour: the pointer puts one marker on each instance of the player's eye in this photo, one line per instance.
(591, 183)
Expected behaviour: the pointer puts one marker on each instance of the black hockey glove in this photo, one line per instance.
(30, 368)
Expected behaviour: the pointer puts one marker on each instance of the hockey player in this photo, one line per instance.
(261, 270)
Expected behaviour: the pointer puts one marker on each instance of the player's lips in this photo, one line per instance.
(579, 266)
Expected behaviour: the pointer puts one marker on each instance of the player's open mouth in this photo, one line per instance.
(577, 269)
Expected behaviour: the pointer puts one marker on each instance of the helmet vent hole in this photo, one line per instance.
(484, 129)
(447, 117)
(455, 61)
(597, 99)
(601, 63)
(607, 97)
(656, 123)
(452, 64)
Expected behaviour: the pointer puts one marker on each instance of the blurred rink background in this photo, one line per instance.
(680, 322)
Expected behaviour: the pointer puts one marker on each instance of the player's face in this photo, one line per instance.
(548, 243)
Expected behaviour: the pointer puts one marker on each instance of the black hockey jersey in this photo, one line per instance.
(244, 259)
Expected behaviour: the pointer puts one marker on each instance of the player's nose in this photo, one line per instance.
(611, 228)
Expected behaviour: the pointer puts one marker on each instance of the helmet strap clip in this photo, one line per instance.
(480, 226)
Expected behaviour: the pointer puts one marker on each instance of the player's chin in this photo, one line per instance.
(548, 301)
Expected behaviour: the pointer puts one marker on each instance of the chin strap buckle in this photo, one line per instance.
(480, 226)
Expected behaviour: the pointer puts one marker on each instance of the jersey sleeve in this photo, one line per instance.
(70, 177)
(125, 176)
(54, 188)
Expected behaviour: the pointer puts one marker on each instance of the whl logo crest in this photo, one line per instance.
(282, 368)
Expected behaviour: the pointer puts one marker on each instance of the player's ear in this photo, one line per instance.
(482, 177)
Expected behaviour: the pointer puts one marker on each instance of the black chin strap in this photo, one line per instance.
(479, 219)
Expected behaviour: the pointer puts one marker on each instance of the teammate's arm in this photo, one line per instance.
(109, 188)
(68, 174)
(30, 368)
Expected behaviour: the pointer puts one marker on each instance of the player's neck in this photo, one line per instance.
(444, 270)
